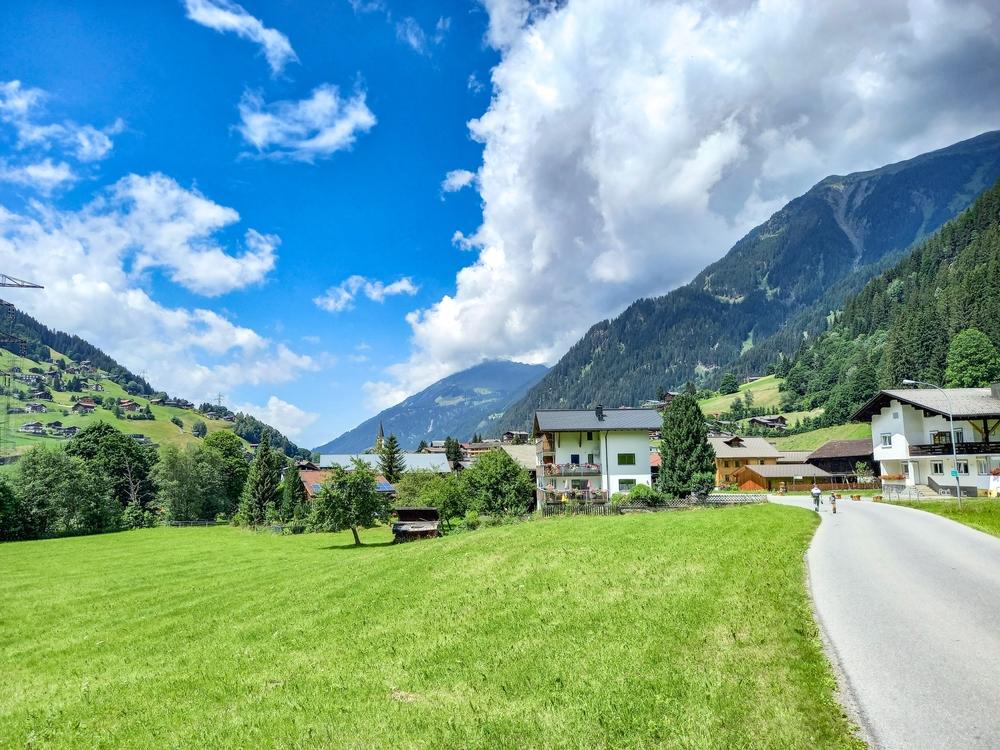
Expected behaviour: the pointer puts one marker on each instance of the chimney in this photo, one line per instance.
(599, 412)
(995, 391)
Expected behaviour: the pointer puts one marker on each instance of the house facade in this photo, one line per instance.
(733, 453)
(593, 453)
(912, 440)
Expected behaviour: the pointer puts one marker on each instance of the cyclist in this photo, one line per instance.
(816, 492)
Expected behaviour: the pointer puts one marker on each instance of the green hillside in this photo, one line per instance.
(764, 392)
(684, 629)
(159, 430)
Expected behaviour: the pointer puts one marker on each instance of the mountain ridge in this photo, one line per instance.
(458, 405)
(774, 287)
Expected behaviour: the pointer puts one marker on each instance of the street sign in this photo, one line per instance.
(954, 473)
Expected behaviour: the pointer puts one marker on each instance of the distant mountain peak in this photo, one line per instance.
(460, 405)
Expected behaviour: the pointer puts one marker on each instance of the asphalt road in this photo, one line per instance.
(909, 603)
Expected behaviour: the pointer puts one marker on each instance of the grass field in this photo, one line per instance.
(982, 514)
(807, 441)
(678, 630)
(764, 390)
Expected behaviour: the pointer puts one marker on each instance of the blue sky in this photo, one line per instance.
(374, 209)
(319, 207)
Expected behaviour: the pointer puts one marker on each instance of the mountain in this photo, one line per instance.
(776, 286)
(459, 405)
(900, 325)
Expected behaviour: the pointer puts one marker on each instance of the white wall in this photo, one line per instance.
(569, 443)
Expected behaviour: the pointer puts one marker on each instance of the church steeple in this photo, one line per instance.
(380, 437)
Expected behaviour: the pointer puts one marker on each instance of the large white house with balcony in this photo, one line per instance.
(911, 437)
(592, 453)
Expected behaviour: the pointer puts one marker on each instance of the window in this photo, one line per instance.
(886, 440)
(590, 458)
(906, 469)
(624, 485)
(574, 458)
(937, 467)
(982, 466)
(590, 436)
(725, 464)
(626, 459)
(963, 467)
(959, 435)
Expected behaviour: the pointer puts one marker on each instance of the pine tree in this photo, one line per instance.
(390, 461)
(452, 449)
(973, 361)
(687, 461)
(261, 489)
(294, 502)
(422, 447)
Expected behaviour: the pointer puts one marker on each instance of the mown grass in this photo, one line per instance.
(679, 630)
(982, 513)
(806, 441)
(765, 393)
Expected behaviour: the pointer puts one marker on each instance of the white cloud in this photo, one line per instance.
(474, 84)
(20, 108)
(341, 297)
(44, 176)
(91, 261)
(608, 177)
(286, 418)
(304, 130)
(457, 179)
(223, 16)
(410, 32)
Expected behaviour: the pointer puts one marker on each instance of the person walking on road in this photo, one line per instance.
(833, 502)
(816, 493)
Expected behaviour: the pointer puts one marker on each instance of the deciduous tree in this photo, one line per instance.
(349, 500)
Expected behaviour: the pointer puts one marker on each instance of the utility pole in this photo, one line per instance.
(951, 426)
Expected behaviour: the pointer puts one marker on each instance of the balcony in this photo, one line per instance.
(963, 449)
(571, 470)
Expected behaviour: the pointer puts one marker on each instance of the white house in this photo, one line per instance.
(596, 452)
(911, 438)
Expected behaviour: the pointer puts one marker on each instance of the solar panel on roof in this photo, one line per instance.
(316, 487)
(385, 487)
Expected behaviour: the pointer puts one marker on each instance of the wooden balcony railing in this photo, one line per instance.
(963, 449)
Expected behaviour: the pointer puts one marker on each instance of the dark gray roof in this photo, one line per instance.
(563, 420)
(966, 403)
(844, 449)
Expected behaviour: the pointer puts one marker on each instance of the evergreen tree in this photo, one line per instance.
(390, 460)
(686, 456)
(452, 449)
(260, 492)
(235, 467)
(729, 384)
(294, 501)
(199, 429)
(422, 447)
(973, 361)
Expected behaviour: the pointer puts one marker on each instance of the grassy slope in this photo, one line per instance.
(813, 439)
(765, 393)
(687, 630)
(161, 430)
(982, 514)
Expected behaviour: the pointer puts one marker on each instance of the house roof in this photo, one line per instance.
(573, 420)
(743, 447)
(782, 471)
(844, 449)
(965, 403)
(793, 457)
(523, 454)
(428, 461)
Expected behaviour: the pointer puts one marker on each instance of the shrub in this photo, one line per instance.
(702, 482)
(471, 520)
(644, 494)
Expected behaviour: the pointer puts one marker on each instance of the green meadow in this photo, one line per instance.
(686, 629)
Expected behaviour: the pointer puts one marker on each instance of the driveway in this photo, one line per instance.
(909, 603)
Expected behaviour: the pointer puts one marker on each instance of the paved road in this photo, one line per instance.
(910, 606)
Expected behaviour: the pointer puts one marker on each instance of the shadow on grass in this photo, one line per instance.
(353, 546)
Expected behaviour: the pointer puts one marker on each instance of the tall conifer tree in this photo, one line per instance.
(260, 492)
(390, 461)
(686, 457)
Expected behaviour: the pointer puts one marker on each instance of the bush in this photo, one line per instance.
(702, 482)
(471, 520)
(646, 495)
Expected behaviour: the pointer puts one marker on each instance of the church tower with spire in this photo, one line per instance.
(379, 438)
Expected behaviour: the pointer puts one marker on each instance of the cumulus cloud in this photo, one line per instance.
(341, 297)
(21, 108)
(44, 176)
(315, 127)
(223, 16)
(286, 418)
(608, 177)
(457, 179)
(92, 262)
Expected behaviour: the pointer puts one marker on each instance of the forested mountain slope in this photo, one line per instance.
(901, 324)
(776, 284)
(459, 405)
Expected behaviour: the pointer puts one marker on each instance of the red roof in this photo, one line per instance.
(654, 460)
